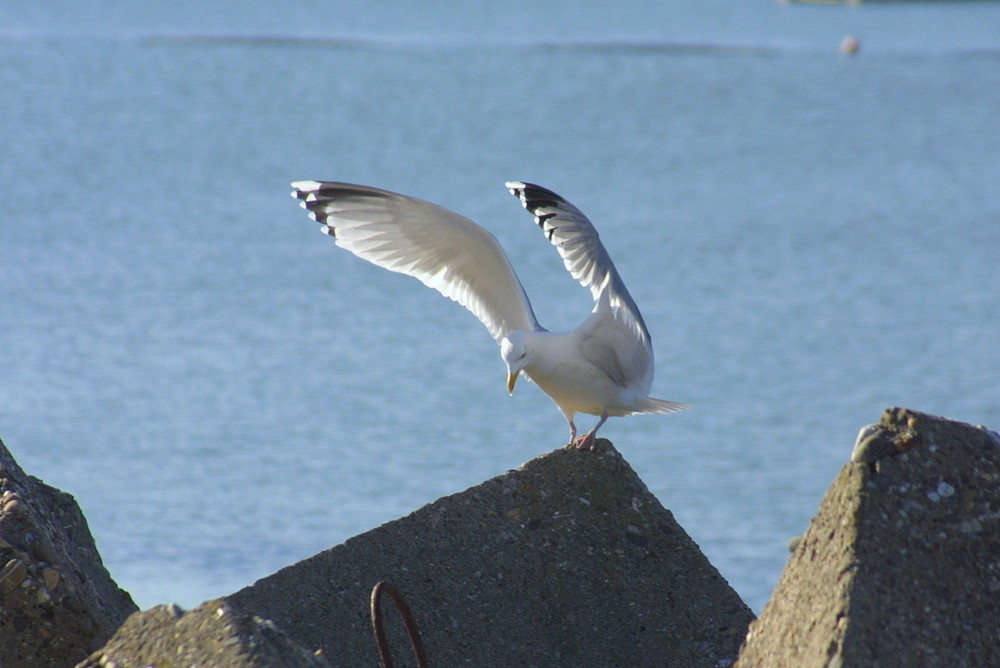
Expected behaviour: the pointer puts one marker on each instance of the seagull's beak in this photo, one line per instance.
(511, 379)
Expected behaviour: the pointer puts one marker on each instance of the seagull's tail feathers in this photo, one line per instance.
(650, 405)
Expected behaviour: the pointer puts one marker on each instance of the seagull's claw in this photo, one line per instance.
(585, 442)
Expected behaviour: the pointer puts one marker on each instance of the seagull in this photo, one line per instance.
(604, 367)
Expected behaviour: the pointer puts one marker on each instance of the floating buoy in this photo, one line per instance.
(849, 45)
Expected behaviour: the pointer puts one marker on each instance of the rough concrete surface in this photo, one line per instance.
(901, 565)
(57, 601)
(567, 561)
(210, 635)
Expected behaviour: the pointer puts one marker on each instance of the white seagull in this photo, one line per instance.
(604, 367)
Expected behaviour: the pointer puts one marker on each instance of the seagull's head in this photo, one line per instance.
(514, 351)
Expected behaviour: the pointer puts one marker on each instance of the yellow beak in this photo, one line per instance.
(511, 379)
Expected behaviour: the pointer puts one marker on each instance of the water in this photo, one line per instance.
(811, 238)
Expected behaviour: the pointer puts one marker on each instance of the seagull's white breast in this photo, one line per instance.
(573, 383)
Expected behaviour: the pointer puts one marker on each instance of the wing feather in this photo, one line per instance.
(442, 249)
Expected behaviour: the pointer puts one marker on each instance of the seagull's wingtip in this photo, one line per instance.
(302, 189)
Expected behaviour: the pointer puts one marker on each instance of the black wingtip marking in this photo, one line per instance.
(537, 197)
(319, 195)
(343, 190)
(534, 205)
(540, 221)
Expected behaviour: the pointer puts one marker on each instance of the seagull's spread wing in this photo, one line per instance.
(614, 338)
(443, 250)
(582, 252)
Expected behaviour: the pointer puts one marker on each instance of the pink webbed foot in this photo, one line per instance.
(585, 442)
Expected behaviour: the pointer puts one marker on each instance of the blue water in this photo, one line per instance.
(811, 238)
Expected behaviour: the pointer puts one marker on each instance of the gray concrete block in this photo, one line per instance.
(567, 561)
(901, 565)
(57, 601)
(210, 635)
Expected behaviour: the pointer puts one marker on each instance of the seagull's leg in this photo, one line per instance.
(572, 433)
(569, 415)
(586, 442)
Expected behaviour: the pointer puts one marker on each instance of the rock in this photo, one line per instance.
(57, 602)
(567, 561)
(901, 565)
(210, 635)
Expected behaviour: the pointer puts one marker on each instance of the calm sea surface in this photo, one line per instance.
(811, 238)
